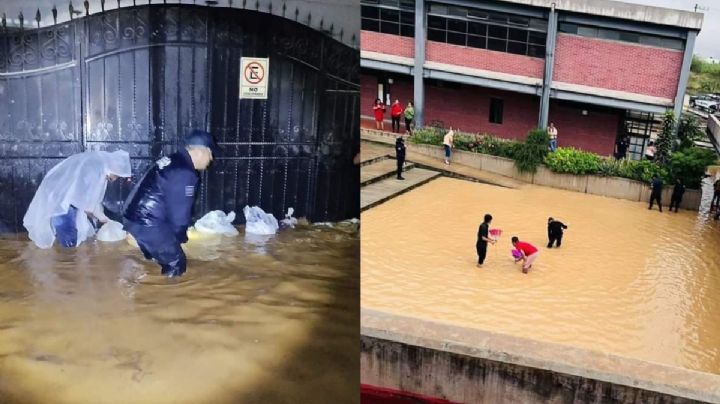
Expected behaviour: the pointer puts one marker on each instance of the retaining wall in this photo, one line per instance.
(613, 187)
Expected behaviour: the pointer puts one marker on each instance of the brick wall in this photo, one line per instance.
(593, 132)
(387, 44)
(402, 89)
(484, 59)
(617, 66)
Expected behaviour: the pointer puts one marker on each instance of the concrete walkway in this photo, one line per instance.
(379, 170)
(379, 192)
(453, 170)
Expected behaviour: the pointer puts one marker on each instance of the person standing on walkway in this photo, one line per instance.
(555, 232)
(656, 185)
(396, 111)
(716, 195)
(483, 238)
(409, 116)
(379, 111)
(400, 156)
(528, 252)
(677, 195)
(448, 144)
(553, 133)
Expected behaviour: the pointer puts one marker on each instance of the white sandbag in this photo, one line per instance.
(217, 222)
(259, 222)
(289, 221)
(111, 231)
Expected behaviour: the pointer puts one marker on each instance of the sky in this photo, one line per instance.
(707, 43)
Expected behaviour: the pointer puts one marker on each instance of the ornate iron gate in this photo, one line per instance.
(141, 78)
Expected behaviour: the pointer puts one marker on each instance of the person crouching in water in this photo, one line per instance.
(528, 253)
(555, 232)
(159, 208)
(70, 195)
(483, 237)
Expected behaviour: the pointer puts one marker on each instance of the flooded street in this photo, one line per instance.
(254, 320)
(626, 280)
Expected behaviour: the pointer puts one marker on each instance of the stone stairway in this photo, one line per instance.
(378, 182)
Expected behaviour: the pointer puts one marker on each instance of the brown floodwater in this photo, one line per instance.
(626, 280)
(253, 320)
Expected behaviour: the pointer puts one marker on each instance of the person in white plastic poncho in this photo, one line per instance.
(71, 193)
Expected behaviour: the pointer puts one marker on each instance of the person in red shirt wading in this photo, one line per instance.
(528, 251)
(396, 111)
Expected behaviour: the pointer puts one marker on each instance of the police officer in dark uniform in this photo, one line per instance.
(158, 210)
(555, 232)
(400, 156)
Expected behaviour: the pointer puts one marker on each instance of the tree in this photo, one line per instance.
(666, 139)
(688, 131)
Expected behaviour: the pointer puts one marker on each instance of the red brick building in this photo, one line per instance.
(597, 69)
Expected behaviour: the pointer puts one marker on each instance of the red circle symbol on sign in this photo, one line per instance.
(254, 73)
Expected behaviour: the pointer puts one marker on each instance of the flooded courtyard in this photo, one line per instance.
(255, 319)
(627, 280)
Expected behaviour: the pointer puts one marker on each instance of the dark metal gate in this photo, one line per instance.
(141, 78)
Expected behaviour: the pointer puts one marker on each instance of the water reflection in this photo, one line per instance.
(626, 280)
(249, 322)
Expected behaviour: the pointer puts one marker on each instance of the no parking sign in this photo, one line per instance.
(254, 78)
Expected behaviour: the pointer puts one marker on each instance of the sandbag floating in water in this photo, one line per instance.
(111, 231)
(259, 222)
(217, 222)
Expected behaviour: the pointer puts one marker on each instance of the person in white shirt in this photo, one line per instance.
(553, 133)
(448, 144)
(650, 151)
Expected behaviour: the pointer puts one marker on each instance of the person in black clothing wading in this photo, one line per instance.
(677, 195)
(555, 232)
(400, 156)
(483, 238)
(656, 187)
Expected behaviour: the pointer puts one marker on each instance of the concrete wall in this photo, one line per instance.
(613, 187)
(616, 65)
(475, 366)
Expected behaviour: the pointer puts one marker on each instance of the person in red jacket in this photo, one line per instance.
(528, 251)
(379, 111)
(396, 111)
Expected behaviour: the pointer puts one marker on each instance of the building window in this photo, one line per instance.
(487, 30)
(496, 110)
(618, 35)
(395, 17)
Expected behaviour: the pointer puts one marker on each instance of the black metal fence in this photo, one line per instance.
(141, 78)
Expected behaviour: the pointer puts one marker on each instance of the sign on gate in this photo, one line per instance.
(254, 78)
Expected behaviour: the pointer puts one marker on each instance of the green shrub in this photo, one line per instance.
(496, 146)
(689, 165)
(641, 170)
(688, 131)
(427, 135)
(572, 161)
(530, 154)
(462, 141)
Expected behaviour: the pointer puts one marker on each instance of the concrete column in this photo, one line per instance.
(418, 85)
(549, 62)
(684, 75)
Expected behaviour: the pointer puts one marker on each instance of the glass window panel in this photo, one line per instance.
(629, 36)
(407, 17)
(496, 31)
(515, 20)
(370, 25)
(608, 34)
(536, 51)
(651, 40)
(407, 4)
(436, 35)
(390, 28)
(536, 23)
(389, 3)
(438, 9)
(568, 28)
(477, 41)
(587, 31)
(538, 38)
(369, 1)
(497, 44)
(370, 12)
(501, 18)
(457, 25)
(457, 11)
(436, 22)
(407, 30)
(673, 43)
(389, 15)
(456, 38)
(482, 15)
(477, 28)
(518, 48)
(519, 35)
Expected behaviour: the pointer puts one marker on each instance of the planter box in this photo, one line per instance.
(570, 182)
(614, 187)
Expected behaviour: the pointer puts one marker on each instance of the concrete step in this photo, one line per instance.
(379, 192)
(380, 170)
(373, 160)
